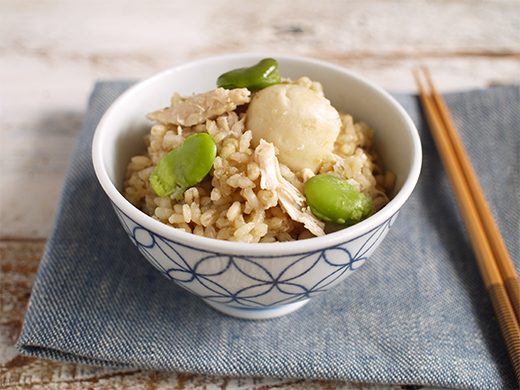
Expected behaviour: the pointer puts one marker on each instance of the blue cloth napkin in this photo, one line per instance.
(415, 313)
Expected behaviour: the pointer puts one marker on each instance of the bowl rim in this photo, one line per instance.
(260, 249)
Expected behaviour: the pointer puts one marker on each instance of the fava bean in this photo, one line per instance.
(184, 166)
(256, 77)
(335, 200)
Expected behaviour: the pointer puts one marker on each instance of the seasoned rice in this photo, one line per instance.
(229, 203)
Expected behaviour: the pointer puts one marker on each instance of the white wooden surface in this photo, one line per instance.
(52, 52)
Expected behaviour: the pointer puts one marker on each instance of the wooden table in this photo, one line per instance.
(52, 52)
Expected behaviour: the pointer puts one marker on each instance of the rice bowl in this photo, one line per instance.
(255, 280)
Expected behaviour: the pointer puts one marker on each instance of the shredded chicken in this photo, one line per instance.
(199, 108)
(291, 199)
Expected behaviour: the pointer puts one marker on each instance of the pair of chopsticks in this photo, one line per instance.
(495, 265)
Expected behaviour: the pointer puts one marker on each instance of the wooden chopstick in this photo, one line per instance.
(495, 265)
(507, 269)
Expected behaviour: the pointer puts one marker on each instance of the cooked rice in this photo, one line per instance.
(229, 203)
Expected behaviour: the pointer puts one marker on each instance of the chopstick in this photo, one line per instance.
(498, 246)
(495, 265)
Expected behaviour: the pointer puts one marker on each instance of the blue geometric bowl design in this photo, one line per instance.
(253, 282)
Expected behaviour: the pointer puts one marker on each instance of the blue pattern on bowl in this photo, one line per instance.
(253, 282)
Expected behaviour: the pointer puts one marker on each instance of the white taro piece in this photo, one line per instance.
(300, 123)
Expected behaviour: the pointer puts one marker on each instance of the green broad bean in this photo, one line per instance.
(335, 200)
(184, 166)
(256, 77)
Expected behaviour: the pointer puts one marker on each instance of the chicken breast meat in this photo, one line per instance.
(199, 108)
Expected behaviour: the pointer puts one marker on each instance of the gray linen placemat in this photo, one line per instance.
(415, 313)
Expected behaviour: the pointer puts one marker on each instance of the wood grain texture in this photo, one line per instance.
(52, 52)
(49, 66)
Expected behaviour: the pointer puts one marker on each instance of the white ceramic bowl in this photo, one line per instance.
(255, 281)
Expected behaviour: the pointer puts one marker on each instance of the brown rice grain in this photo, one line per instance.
(158, 130)
(268, 198)
(274, 223)
(284, 236)
(184, 226)
(257, 216)
(205, 201)
(228, 149)
(195, 213)
(260, 229)
(244, 229)
(171, 140)
(305, 234)
(246, 238)
(163, 213)
(215, 194)
(186, 213)
(240, 181)
(253, 171)
(210, 232)
(163, 201)
(209, 217)
(191, 195)
(198, 230)
(225, 233)
(138, 163)
(234, 211)
(156, 145)
(251, 198)
(176, 219)
(240, 157)
(268, 239)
